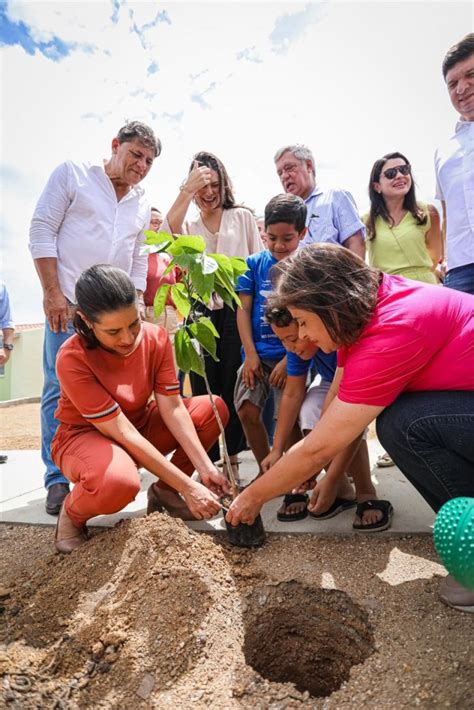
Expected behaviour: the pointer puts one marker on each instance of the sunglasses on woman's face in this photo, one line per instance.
(390, 173)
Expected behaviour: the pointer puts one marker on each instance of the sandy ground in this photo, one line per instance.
(20, 427)
(153, 615)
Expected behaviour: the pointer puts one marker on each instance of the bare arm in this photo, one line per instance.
(278, 374)
(8, 334)
(199, 177)
(290, 405)
(433, 238)
(180, 424)
(54, 302)
(252, 363)
(356, 244)
(340, 425)
(202, 502)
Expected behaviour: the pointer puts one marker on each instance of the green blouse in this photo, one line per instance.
(401, 250)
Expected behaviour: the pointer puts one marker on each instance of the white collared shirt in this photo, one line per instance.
(332, 217)
(454, 166)
(79, 222)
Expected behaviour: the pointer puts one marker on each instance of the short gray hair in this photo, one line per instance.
(299, 150)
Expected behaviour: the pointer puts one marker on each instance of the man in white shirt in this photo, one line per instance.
(87, 214)
(454, 165)
(332, 214)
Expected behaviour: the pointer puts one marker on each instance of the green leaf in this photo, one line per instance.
(239, 266)
(209, 325)
(159, 238)
(225, 264)
(196, 361)
(182, 359)
(183, 243)
(224, 294)
(202, 283)
(159, 301)
(222, 278)
(184, 260)
(181, 299)
(205, 337)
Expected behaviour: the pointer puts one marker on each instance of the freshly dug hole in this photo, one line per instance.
(307, 636)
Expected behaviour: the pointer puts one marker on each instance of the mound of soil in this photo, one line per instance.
(153, 615)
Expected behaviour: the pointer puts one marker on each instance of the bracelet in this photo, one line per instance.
(181, 189)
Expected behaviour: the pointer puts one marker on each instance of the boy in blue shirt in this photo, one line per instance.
(264, 364)
(298, 402)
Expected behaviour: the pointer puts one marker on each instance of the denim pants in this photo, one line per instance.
(461, 278)
(49, 401)
(430, 436)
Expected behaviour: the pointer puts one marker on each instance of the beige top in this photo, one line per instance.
(237, 236)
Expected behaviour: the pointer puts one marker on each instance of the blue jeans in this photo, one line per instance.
(430, 436)
(49, 401)
(461, 278)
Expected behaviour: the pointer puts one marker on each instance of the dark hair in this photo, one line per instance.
(458, 53)
(101, 289)
(281, 317)
(211, 161)
(140, 131)
(155, 209)
(287, 208)
(378, 207)
(332, 282)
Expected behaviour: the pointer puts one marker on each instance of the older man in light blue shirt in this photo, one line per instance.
(332, 214)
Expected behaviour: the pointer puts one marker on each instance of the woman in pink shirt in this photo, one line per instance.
(109, 426)
(405, 358)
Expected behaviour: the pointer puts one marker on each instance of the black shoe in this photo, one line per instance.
(3, 458)
(55, 497)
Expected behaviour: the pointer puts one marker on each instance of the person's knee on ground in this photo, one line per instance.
(120, 489)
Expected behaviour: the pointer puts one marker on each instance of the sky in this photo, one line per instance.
(353, 80)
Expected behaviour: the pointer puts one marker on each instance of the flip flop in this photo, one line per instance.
(384, 461)
(384, 523)
(289, 499)
(339, 505)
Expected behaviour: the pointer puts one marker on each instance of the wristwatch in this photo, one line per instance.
(8, 346)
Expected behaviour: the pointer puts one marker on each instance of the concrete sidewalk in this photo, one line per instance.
(22, 500)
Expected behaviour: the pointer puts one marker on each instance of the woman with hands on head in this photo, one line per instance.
(109, 427)
(405, 358)
(228, 229)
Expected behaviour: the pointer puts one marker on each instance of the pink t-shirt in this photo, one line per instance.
(421, 337)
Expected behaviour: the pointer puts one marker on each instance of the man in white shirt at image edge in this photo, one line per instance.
(87, 214)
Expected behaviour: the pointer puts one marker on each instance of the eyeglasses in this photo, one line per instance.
(390, 173)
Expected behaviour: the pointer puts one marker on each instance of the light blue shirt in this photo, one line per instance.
(332, 217)
(6, 320)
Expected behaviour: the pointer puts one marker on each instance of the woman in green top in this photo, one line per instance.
(403, 235)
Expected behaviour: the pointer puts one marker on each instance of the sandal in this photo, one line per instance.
(384, 461)
(338, 506)
(384, 523)
(290, 499)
